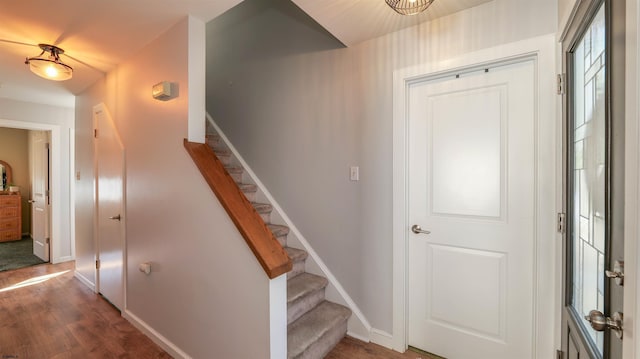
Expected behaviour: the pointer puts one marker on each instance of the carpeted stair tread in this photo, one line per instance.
(296, 254)
(247, 187)
(302, 285)
(219, 151)
(298, 257)
(312, 327)
(233, 169)
(262, 207)
(278, 230)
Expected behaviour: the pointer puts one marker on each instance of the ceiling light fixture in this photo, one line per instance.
(49, 66)
(409, 7)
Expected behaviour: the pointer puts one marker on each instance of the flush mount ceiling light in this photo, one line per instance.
(49, 66)
(409, 7)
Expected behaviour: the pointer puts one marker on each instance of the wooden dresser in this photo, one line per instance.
(10, 217)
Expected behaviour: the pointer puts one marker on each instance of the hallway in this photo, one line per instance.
(46, 313)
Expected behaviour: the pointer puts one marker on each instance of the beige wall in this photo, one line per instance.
(14, 149)
(206, 294)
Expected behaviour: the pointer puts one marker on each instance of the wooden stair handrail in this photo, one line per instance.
(264, 245)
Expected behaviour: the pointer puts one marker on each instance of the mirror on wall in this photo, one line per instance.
(5, 172)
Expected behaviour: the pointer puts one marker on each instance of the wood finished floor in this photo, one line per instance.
(350, 348)
(59, 317)
(46, 313)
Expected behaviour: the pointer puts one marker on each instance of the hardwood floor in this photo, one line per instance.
(350, 348)
(47, 313)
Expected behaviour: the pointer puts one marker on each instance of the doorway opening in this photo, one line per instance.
(25, 206)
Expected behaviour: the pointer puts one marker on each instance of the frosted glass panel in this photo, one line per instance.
(588, 169)
(466, 153)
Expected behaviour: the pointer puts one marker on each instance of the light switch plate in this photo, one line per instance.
(354, 173)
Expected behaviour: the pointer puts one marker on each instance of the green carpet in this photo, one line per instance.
(17, 254)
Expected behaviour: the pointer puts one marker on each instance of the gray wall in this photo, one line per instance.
(301, 109)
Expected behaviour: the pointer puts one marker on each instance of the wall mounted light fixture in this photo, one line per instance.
(164, 91)
(50, 66)
(409, 7)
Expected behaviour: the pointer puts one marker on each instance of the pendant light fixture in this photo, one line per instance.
(409, 7)
(48, 65)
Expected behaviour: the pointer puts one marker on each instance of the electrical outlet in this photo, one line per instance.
(354, 173)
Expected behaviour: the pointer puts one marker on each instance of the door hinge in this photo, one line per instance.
(559, 354)
(561, 223)
(560, 84)
(97, 264)
(48, 241)
(95, 133)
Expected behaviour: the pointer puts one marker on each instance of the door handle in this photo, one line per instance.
(31, 201)
(599, 322)
(115, 218)
(417, 230)
(617, 273)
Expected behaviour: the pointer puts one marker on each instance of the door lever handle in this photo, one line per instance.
(617, 273)
(417, 230)
(115, 218)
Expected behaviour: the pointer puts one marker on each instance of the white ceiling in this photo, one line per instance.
(99, 34)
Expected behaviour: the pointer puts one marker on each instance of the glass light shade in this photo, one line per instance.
(409, 7)
(50, 70)
(49, 66)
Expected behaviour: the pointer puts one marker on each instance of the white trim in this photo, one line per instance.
(278, 317)
(72, 190)
(632, 183)
(85, 281)
(196, 69)
(382, 338)
(156, 337)
(542, 49)
(56, 184)
(359, 327)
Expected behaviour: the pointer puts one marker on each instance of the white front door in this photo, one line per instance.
(472, 185)
(109, 194)
(39, 153)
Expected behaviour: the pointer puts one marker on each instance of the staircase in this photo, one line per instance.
(314, 325)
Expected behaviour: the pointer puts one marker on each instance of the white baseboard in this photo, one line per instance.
(156, 337)
(358, 336)
(381, 338)
(62, 259)
(84, 280)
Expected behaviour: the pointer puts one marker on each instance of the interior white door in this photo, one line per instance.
(109, 195)
(39, 153)
(472, 185)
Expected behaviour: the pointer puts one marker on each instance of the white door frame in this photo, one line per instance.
(547, 141)
(55, 185)
(631, 307)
